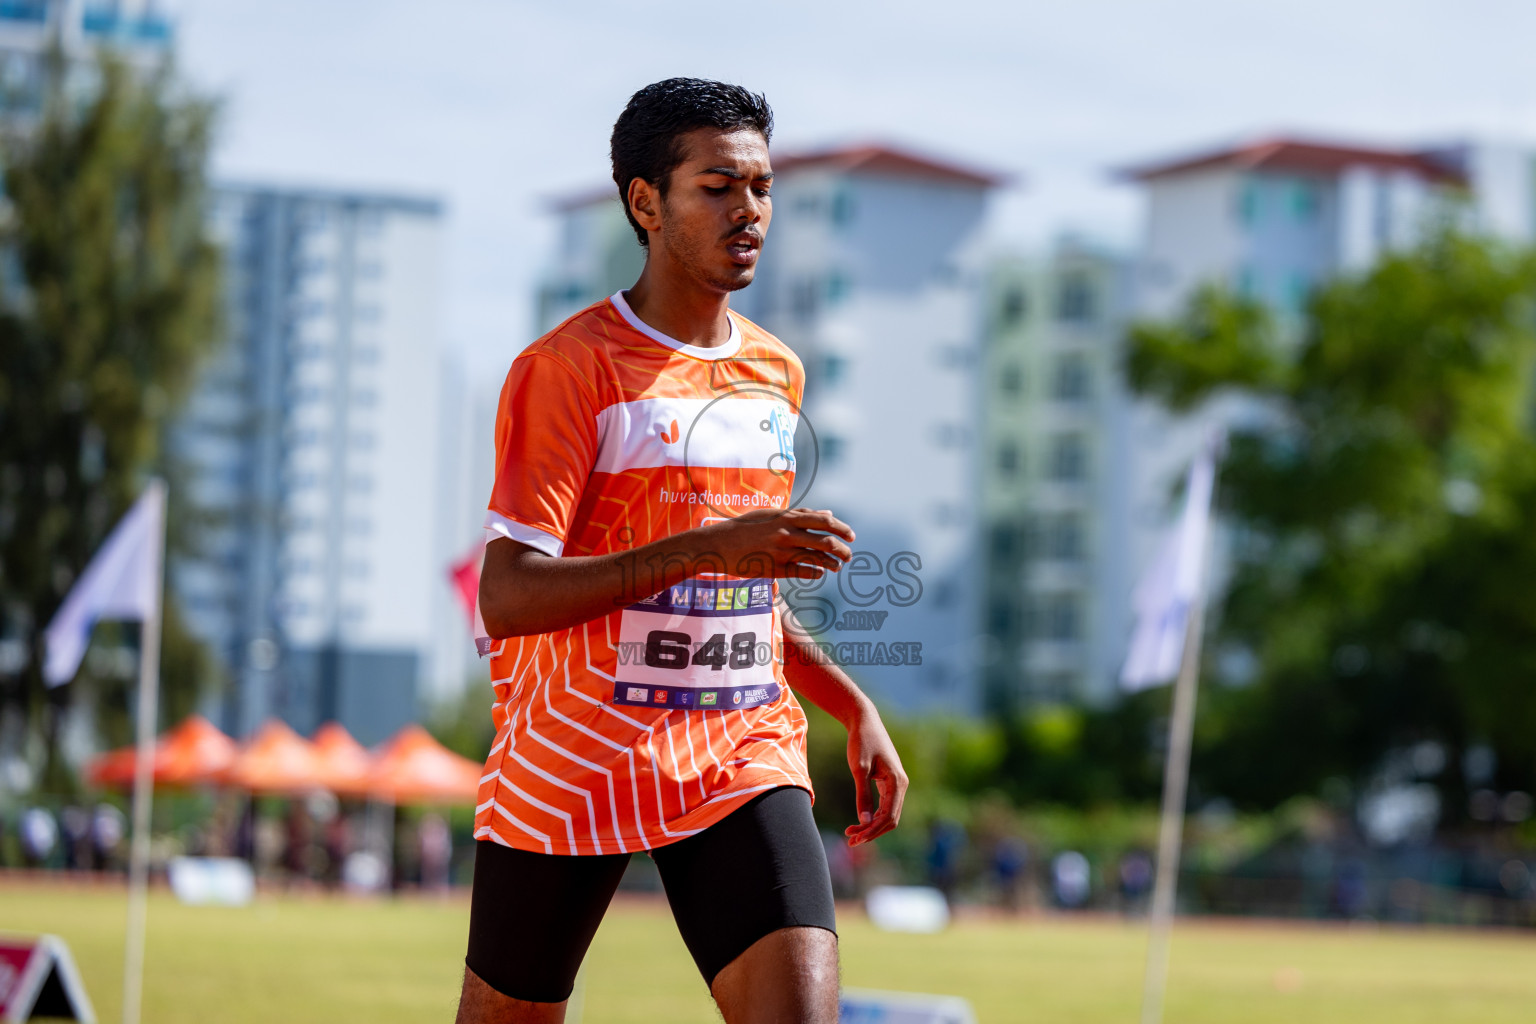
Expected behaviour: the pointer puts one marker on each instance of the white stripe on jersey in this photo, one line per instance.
(724, 433)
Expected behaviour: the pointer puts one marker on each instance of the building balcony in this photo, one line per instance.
(108, 23)
(1043, 656)
(1041, 574)
(26, 12)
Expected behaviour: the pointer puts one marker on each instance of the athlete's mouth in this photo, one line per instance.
(744, 248)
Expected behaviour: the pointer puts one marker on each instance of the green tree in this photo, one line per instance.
(1382, 539)
(109, 293)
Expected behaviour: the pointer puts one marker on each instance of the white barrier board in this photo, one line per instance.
(867, 1006)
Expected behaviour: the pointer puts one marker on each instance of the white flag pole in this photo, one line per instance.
(143, 767)
(1171, 829)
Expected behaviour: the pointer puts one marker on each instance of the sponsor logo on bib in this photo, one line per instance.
(695, 642)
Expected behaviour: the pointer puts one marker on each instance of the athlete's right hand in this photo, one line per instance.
(797, 543)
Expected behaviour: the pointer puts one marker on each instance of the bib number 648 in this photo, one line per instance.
(667, 649)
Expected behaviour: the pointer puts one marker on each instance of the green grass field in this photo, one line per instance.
(322, 959)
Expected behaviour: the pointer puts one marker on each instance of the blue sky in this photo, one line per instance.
(496, 106)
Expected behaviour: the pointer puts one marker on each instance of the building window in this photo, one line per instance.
(949, 435)
(1002, 617)
(803, 299)
(1075, 302)
(1069, 458)
(1072, 380)
(1012, 307)
(1305, 201)
(837, 288)
(1248, 202)
(1008, 459)
(831, 450)
(1006, 541)
(1060, 687)
(1011, 380)
(1056, 618)
(954, 357)
(1064, 538)
(834, 369)
(842, 207)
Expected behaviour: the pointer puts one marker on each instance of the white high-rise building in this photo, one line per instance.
(314, 451)
(1270, 220)
(136, 29)
(1274, 218)
(872, 274)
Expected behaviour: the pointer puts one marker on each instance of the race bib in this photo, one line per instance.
(702, 645)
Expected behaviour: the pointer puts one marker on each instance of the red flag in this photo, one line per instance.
(465, 577)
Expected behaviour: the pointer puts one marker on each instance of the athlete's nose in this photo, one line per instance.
(750, 211)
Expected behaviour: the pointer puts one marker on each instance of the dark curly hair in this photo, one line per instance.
(647, 136)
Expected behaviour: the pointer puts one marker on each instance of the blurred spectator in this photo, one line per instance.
(268, 835)
(108, 827)
(338, 845)
(1135, 881)
(436, 851)
(1348, 895)
(1071, 879)
(406, 862)
(76, 828)
(296, 847)
(1010, 856)
(946, 842)
(245, 832)
(39, 835)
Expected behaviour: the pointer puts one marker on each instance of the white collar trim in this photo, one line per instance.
(726, 351)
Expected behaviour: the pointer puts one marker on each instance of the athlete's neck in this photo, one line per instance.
(678, 307)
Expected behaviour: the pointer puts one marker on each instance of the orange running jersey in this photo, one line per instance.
(653, 722)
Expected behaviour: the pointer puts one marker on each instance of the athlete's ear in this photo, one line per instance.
(645, 204)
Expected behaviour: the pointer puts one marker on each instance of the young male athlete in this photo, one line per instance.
(643, 480)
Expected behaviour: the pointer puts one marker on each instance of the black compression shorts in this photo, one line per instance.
(761, 868)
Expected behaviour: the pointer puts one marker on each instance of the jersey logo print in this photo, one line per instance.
(672, 438)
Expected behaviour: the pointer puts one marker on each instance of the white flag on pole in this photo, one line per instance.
(1172, 585)
(121, 582)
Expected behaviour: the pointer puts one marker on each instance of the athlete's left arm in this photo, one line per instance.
(872, 756)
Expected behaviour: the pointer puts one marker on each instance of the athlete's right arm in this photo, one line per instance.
(524, 591)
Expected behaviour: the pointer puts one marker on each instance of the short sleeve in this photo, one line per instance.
(546, 446)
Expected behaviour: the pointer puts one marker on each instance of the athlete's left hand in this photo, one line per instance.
(872, 758)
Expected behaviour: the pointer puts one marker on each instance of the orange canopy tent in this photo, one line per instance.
(344, 762)
(194, 752)
(413, 768)
(276, 760)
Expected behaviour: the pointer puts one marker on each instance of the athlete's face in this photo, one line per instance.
(717, 208)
